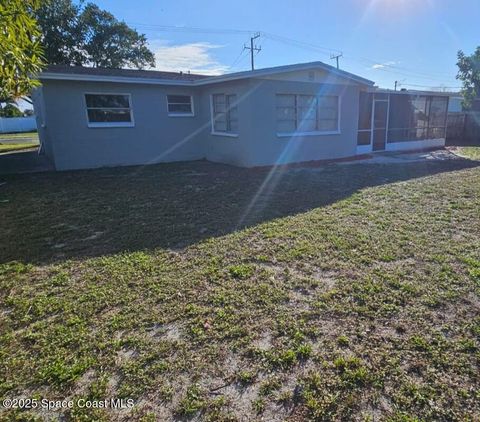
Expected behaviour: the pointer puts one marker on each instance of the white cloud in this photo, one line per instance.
(383, 65)
(195, 57)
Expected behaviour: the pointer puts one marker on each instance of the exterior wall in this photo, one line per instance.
(155, 137)
(46, 147)
(415, 145)
(311, 76)
(225, 148)
(265, 147)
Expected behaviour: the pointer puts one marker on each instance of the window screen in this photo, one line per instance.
(225, 114)
(306, 113)
(180, 104)
(108, 108)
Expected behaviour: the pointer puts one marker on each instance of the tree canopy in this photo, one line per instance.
(20, 49)
(87, 35)
(469, 74)
(10, 110)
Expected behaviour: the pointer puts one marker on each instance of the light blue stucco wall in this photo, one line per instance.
(257, 143)
(156, 137)
(266, 147)
(222, 148)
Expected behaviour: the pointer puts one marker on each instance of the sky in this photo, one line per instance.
(414, 42)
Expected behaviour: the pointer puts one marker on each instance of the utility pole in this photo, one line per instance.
(396, 82)
(336, 56)
(253, 48)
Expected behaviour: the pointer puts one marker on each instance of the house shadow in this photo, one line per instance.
(52, 217)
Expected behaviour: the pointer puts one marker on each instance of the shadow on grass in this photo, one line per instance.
(48, 217)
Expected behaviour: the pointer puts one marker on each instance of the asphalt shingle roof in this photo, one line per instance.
(129, 73)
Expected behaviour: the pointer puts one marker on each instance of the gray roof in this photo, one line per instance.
(129, 73)
(179, 78)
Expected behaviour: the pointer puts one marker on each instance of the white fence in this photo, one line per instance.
(17, 124)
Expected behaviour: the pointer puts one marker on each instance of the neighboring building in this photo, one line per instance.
(455, 102)
(90, 117)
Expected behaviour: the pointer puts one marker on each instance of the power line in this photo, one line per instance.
(237, 59)
(390, 68)
(172, 28)
(298, 43)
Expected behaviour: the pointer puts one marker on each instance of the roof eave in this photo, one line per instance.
(409, 92)
(210, 80)
(118, 79)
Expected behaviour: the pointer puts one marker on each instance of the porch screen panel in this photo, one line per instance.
(400, 118)
(438, 117)
(364, 118)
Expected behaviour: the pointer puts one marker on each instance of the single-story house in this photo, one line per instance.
(93, 117)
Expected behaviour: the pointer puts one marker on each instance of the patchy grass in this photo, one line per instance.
(17, 146)
(469, 152)
(343, 292)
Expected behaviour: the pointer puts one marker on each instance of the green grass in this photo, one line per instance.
(344, 292)
(31, 135)
(469, 152)
(17, 147)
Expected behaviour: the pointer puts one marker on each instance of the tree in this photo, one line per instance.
(61, 34)
(86, 35)
(10, 110)
(20, 49)
(110, 43)
(469, 74)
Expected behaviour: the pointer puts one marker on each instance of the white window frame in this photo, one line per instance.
(212, 116)
(108, 124)
(177, 114)
(316, 132)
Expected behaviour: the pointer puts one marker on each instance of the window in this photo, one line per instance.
(180, 105)
(224, 114)
(106, 110)
(308, 114)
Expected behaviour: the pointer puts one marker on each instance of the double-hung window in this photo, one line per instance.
(109, 110)
(224, 114)
(180, 105)
(307, 114)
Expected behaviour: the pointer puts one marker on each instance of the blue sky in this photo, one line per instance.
(412, 41)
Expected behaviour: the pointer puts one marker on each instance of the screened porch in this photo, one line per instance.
(401, 120)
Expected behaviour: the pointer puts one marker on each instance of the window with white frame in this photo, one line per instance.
(109, 110)
(298, 113)
(224, 113)
(180, 105)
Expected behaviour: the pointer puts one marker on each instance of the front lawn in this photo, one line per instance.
(342, 292)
